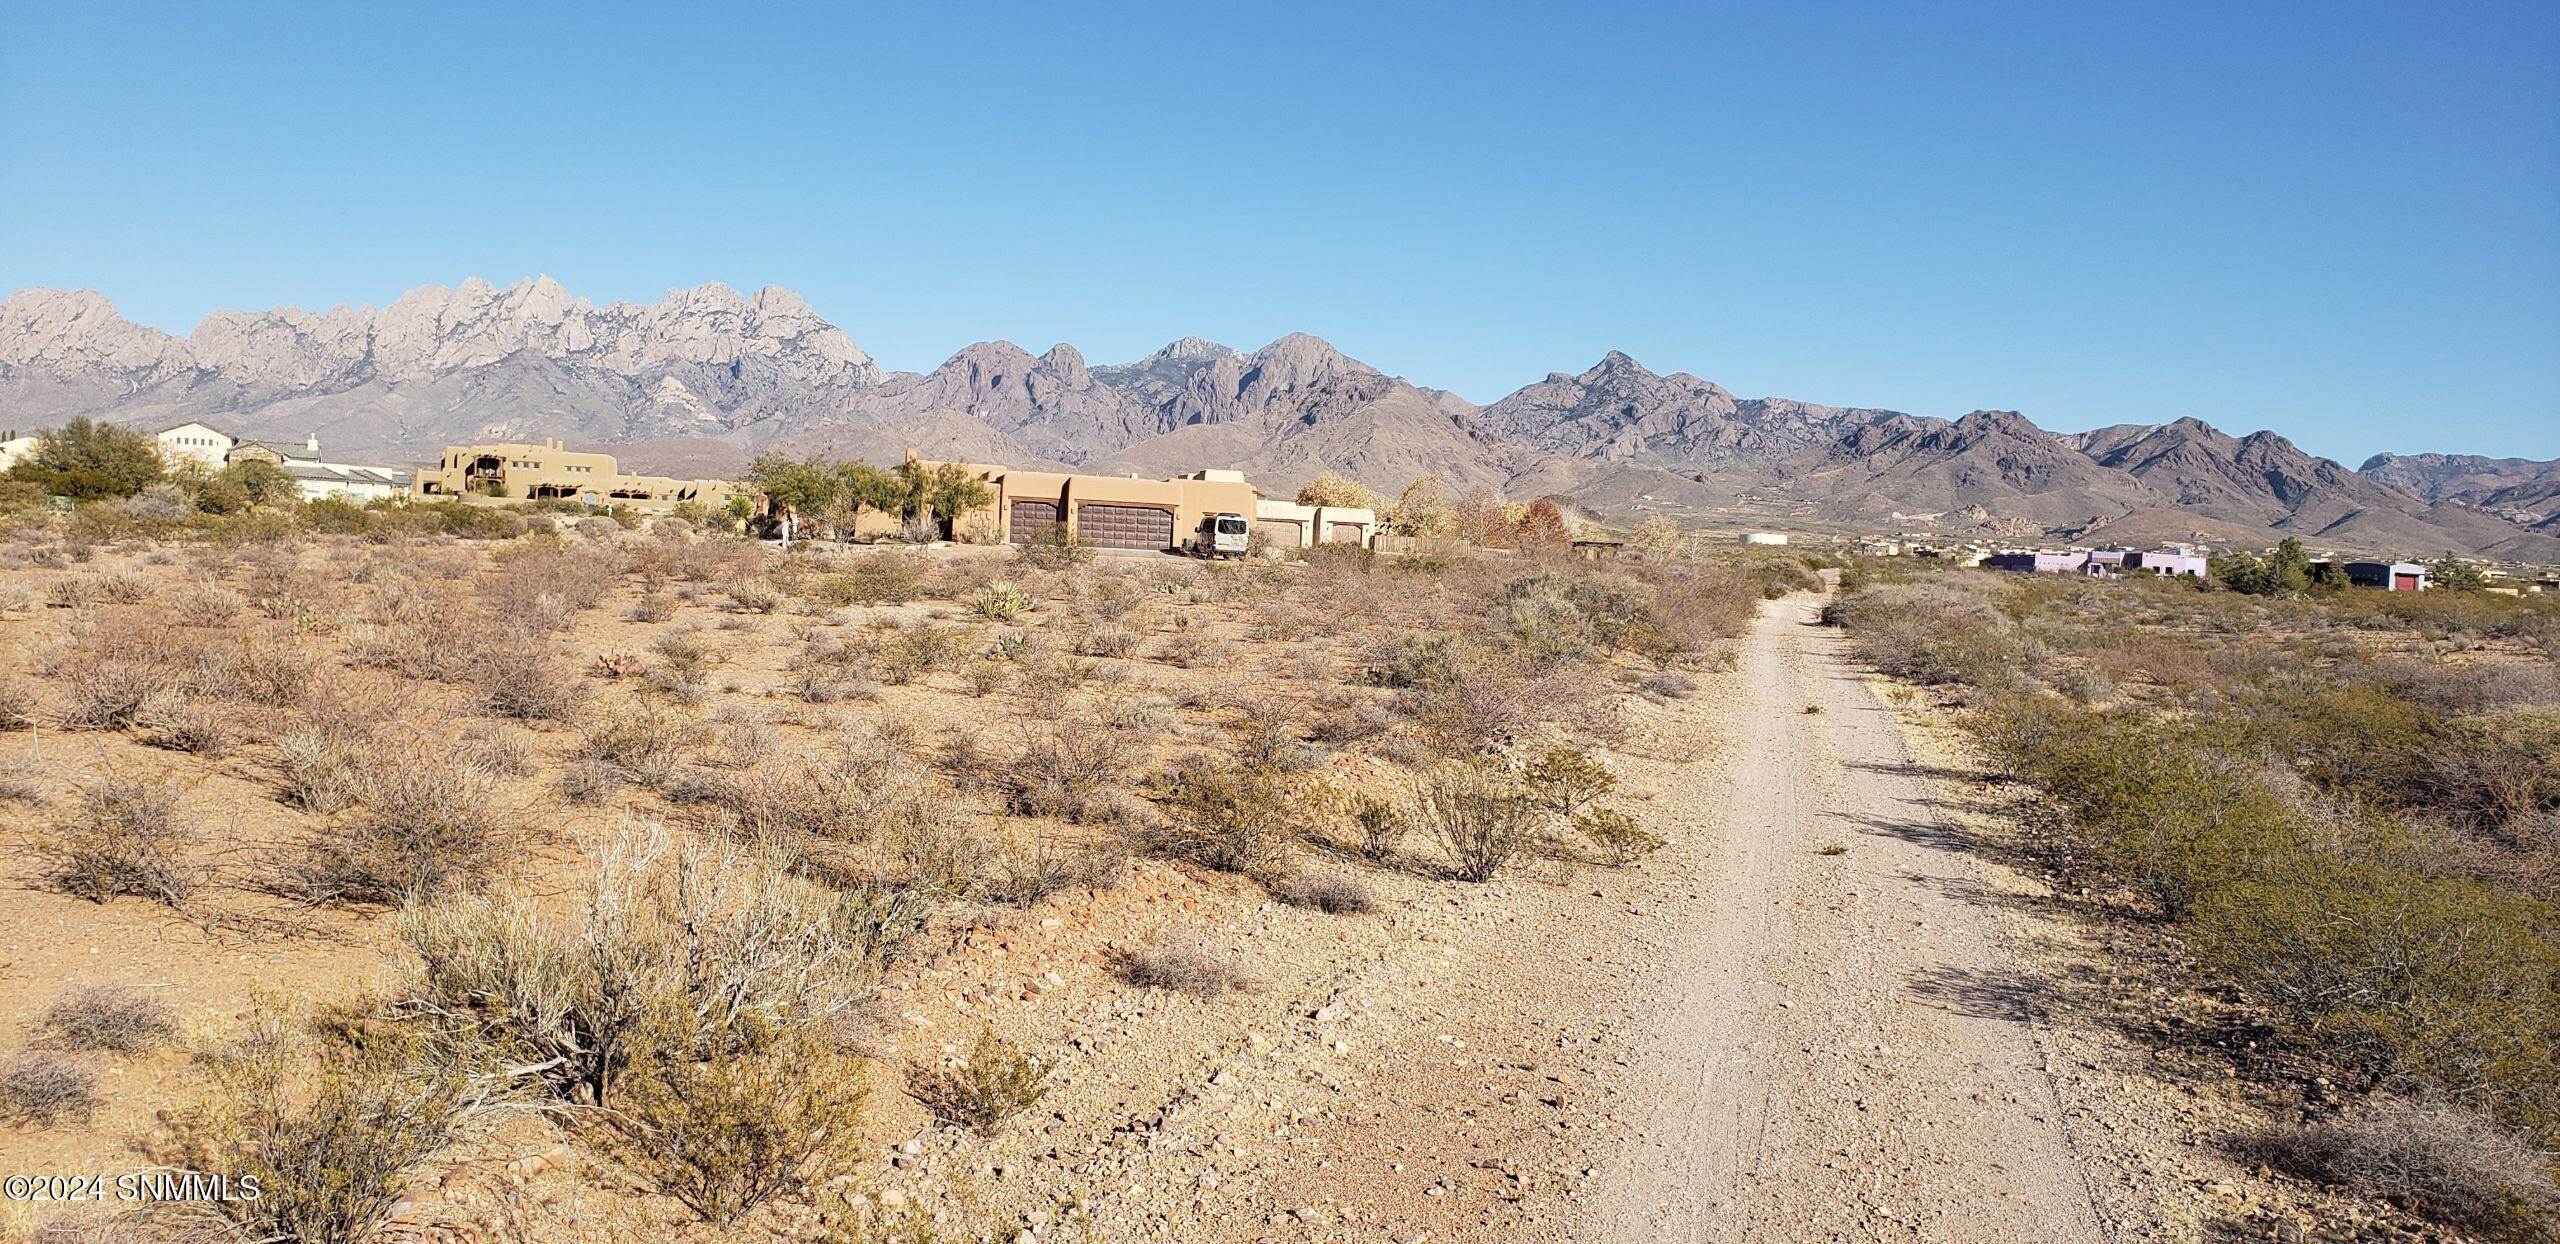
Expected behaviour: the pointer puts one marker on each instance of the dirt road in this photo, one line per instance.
(1831, 1060)
(1802, 1020)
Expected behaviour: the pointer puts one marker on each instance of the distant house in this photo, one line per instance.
(1764, 537)
(2167, 563)
(2037, 563)
(2389, 576)
(317, 477)
(200, 443)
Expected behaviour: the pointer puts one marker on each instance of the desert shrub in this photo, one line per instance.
(939, 852)
(1022, 878)
(983, 1091)
(107, 694)
(17, 707)
(1382, 826)
(678, 951)
(186, 723)
(1567, 779)
(1616, 835)
(323, 765)
(524, 681)
(1050, 549)
(1668, 685)
(890, 578)
(209, 604)
(121, 836)
(1194, 970)
(1000, 601)
(653, 607)
(109, 1016)
(729, 1131)
(42, 1089)
(2431, 1156)
(640, 746)
(986, 677)
(1068, 771)
(423, 824)
(1480, 815)
(2500, 768)
(331, 1122)
(1334, 894)
(753, 596)
(1107, 639)
(884, 923)
(1934, 633)
(2425, 981)
(1231, 815)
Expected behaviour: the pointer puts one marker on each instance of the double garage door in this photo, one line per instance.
(1124, 527)
(1284, 533)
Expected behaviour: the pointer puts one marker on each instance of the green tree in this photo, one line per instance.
(868, 487)
(85, 460)
(808, 488)
(948, 489)
(2284, 572)
(2456, 576)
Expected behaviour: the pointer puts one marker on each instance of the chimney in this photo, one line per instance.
(311, 443)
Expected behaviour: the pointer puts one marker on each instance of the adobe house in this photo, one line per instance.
(516, 471)
(1127, 512)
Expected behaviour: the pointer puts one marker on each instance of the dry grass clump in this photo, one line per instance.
(984, 1091)
(109, 1016)
(1335, 894)
(107, 693)
(186, 723)
(2434, 1157)
(1193, 970)
(41, 1089)
(120, 837)
(641, 746)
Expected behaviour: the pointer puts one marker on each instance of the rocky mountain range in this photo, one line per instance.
(704, 379)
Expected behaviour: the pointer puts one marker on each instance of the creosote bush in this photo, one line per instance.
(1335, 894)
(743, 1123)
(422, 825)
(983, 1091)
(1616, 835)
(1479, 814)
(331, 1115)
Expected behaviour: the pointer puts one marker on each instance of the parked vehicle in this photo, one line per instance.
(1221, 535)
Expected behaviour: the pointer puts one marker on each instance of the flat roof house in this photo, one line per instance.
(2037, 563)
(517, 471)
(1127, 512)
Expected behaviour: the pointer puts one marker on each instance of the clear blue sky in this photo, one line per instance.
(2341, 221)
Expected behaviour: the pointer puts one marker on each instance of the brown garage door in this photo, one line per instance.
(1124, 527)
(1346, 533)
(1032, 520)
(1286, 533)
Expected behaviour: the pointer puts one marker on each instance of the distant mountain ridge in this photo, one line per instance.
(707, 377)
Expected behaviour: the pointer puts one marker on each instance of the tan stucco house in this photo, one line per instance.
(512, 471)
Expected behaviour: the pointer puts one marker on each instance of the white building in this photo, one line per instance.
(19, 448)
(195, 442)
(318, 477)
(1764, 537)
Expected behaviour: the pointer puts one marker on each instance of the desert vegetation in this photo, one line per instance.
(633, 839)
(2345, 805)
